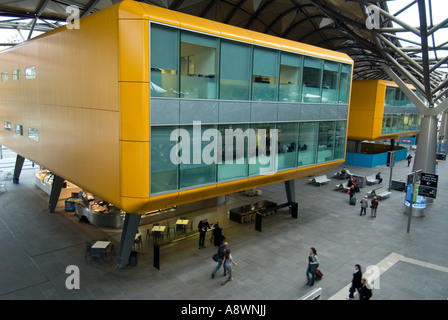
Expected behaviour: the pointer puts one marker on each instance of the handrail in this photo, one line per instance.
(312, 295)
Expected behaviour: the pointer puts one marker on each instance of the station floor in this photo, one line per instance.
(37, 246)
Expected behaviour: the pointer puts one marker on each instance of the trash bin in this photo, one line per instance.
(70, 204)
(133, 258)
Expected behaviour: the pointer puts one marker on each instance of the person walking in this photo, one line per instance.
(351, 192)
(228, 264)
(217, 235)
(365, 293)
(373, 207)
(221, 255)
(356, 282)
(313, 264)
(364, 204)
(409, 159)
(203, 226)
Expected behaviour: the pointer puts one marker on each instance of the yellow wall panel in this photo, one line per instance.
(134, 173)
(134, 102)
(133, 50)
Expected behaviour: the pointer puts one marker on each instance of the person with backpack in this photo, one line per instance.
(220, 258)
(409, 159)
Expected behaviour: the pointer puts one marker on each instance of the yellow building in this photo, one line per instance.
(379, 110)
(97, 105)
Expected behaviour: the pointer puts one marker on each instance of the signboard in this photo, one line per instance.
(427, 191)
(429, 180)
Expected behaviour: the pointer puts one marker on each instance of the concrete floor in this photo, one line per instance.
(37, 246)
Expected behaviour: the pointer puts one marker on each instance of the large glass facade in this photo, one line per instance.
(196, 66)
(400, 122)
(188, 66)
(189, 156)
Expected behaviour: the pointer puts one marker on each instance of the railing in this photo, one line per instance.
(312, 295)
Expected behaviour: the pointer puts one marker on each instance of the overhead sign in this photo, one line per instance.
(429, 180)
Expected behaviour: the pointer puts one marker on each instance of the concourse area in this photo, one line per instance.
(38, 246)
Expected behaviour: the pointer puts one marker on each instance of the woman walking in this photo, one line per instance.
(356, 282)
(373, 207)
(313, 264)
(228, 262)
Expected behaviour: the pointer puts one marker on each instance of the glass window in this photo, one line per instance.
(18, 128)
(339, 140)
(163, 170)
(164, 61)
(15, 75)
(235, 71)
(330, 82)
(326, 141)
(307, 143)
(264, 74)
(287, 145)
(30, 73)
(33, 134)
(235, 140)
(5, 77)
(344, 83)
(290, 76)
(7, 125)
(262, 152)
(200, 167)
(198, 66)
(312, 79)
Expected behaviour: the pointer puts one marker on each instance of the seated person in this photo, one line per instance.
(378, 177)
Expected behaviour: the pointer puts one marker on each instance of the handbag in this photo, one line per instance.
(215, 257)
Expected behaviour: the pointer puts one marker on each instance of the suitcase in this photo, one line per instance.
(353, 201)
(319, 274)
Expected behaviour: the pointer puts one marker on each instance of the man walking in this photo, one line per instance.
(221, 254)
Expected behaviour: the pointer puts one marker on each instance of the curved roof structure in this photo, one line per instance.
(404, 35)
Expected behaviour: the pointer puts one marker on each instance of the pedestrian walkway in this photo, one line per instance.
(37, 246)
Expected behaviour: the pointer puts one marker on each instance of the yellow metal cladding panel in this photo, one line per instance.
(134, 101)
(363, 117)
(133, 48)
(134, 173)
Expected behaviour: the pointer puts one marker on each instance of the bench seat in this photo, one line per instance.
(319, 180)
(372, 179)
(381, 193)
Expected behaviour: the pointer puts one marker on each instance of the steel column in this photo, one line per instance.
(130, 229)
(425, 155)
(56, 187)
(18, 168)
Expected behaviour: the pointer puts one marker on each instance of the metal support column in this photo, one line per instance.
(425, 155)
(291, 197)
(130, 229)
(18, 168)
(55, 192)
